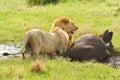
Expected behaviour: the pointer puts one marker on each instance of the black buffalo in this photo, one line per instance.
(90, 46)
(107, 38)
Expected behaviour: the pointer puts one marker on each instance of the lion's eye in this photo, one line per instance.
(65, 22)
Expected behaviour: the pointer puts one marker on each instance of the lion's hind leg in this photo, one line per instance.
(35, 52)
(26, 51)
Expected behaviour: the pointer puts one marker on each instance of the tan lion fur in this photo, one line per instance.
(65, 24)
(37, 41)
(36, 66)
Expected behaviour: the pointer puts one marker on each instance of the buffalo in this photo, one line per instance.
(91, 47)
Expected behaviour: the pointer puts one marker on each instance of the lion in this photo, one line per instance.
(36, 41)
(66, 24)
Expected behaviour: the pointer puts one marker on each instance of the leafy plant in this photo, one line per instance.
(41, 2)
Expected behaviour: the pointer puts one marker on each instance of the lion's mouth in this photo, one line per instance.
(72, 32)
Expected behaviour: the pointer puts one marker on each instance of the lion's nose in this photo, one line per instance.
(76, 27)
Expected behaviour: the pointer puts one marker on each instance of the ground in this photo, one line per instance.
(90, 16)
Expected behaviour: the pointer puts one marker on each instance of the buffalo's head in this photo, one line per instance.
(107, 38)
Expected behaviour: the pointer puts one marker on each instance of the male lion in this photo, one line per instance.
(37, 41)
(66, 24)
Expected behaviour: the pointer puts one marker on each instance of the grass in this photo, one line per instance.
(91, 16)
(58, 69)
(16, 18)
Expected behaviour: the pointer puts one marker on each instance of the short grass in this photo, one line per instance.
(57, 69)
(90, 16)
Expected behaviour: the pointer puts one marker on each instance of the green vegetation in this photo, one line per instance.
(92, 16)
(57, 69)
(43, 2)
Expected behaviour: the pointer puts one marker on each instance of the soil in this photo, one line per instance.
(115, 61)
(10, 48)
(16, 48)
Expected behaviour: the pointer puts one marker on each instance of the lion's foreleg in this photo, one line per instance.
(53, 55)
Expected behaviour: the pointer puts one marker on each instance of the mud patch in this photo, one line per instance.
(115, 61)
(10, 48)
(15, 48)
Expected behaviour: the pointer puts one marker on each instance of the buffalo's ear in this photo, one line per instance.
(111, 34)
(106, 31)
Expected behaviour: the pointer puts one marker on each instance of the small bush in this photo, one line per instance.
(41, 2)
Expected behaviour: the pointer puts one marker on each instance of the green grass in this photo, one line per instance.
(58, 69)
(90, 16)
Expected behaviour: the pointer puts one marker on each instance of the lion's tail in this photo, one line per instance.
(7, 54)
(26, 43)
